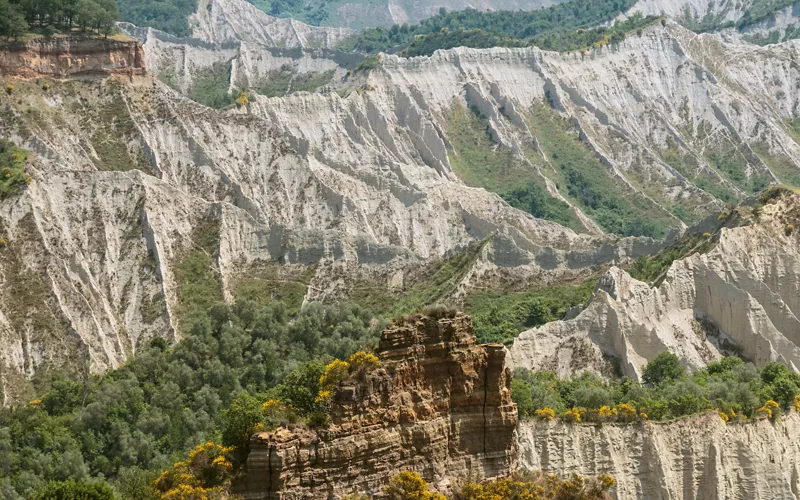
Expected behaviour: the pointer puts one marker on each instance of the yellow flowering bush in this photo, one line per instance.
(574, 415)
(723, 416)
(9, 89)
(643, 416)
(797, 403)
(771, 410)
(364, 360)
(626, 412)
(35, 402)
(546, 414)
(324, 396)
(409, 486)
(335, 371)
(607, 413)
(539, 486)
(201, 476)
(242, 100)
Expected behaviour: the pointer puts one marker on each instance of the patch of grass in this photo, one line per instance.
(269, 282)
(499, 316)
(211, 86)
(783, 168)
(589, 183)
(12, 169)
(793, 125)
(285, 81)
(478, 162)
(733, 160)
(688, 166)
(431, 284)
(197, 277)
(368, 64)
(650, 269)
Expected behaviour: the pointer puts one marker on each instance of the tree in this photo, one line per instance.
(71, 490)
(239, 422)
(12, 21)
(666, 366)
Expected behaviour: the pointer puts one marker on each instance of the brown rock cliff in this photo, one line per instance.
(439, 405)
(71, 56)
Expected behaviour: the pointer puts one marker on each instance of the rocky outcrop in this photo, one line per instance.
(438, 405)
(60, 57)
(694, 458)
(744, 295)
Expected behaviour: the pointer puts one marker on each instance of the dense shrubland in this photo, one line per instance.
(129, 424)
(46, 16)
(736, 390)
(519, 25)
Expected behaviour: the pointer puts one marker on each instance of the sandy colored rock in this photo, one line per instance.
(438, 405)
(693, 458)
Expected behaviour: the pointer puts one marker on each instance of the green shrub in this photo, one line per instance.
(71, 490)
(13, 177)
(730, 386)
(665, 367)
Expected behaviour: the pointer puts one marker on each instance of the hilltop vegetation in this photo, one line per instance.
(737, 390)
(18, 17)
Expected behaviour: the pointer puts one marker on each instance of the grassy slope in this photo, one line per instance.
(580, 175)
(478, 162)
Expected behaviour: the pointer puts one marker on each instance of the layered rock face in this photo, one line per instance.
(746, 291)
(62, 57)
(438, 405)
(694, 458)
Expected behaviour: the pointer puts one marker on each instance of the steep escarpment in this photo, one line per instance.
(741, 296)
(321, 191)
(694, 458)
(60, 57)
(439, 405)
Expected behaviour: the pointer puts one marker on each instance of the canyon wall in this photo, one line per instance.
(439, 405)
(129, 177)
(743, 294)
(693, 458)
(60, 57)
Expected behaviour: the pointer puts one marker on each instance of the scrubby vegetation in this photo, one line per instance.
(212, 86)
(128, 424)
(478, 163)
(556, 39)
(447, 27)
(166, 15)
(501, 316)
(730, 386)
(522, 485)
(12, 169)
(286, 80)
(581, 176)
(650, 268)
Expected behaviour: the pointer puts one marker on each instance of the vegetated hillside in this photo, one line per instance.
(730, 290)
(382, 194)
(576, 25)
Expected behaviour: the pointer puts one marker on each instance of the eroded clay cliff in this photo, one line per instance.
(745, 293)
(439, 405)
(693, 458)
